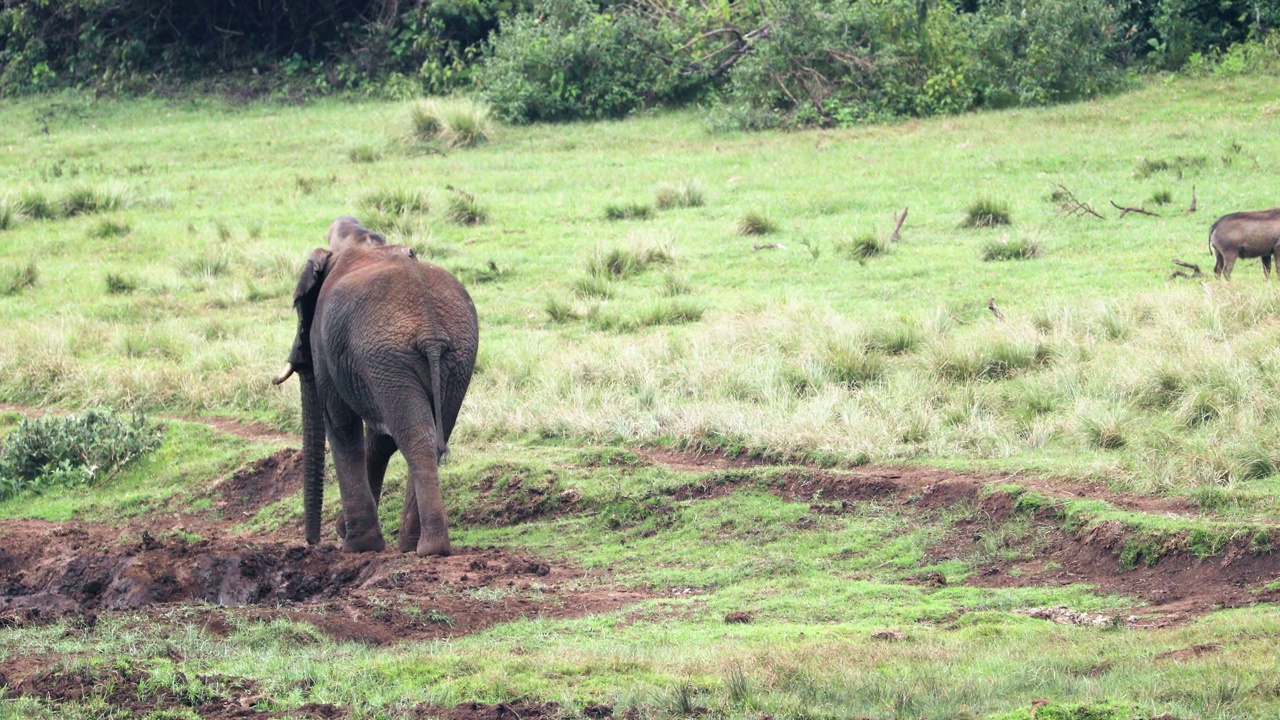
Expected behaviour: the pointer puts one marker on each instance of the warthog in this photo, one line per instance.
(1245, 235)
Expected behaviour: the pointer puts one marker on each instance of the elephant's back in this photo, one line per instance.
(397, 301)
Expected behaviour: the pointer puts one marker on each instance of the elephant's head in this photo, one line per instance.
(347, 232)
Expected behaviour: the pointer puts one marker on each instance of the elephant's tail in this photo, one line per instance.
(431, 351)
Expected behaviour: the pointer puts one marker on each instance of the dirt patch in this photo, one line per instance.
(264, 482)
(53, 571)
(498, 711)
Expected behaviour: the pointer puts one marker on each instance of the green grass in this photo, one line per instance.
(209, 318)
(455, 122)
(986, 212)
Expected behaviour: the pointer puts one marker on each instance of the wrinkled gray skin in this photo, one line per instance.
(1245, 235)
(346, 232)
(385, 349)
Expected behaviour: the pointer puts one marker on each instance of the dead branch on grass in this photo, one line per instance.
(1125, 210)
(1195, 270)
(897, 228)
(991, 305)
(769, 246)
(1070, 205)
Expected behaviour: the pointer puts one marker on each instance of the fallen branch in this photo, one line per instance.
(897, 228)
(769, 246)
(1195, 270)
(991, 305)
(1070, 205)
(1125, 210)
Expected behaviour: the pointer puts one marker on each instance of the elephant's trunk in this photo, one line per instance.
(312, 456)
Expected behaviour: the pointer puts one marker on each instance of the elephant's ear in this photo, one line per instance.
(304, 303)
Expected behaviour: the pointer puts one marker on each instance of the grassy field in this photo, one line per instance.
(647, 284)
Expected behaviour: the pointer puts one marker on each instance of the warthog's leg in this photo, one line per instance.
(1217, 262)
(1228, 262)
(1266, 267)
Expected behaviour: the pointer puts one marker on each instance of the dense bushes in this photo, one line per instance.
(778, 62)
(71, 450)
(568, 60)
(129, 45)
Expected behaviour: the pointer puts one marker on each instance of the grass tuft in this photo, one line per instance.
(109, 228)
(86, 200)
(1007, 248)
(397, 201)
(37, 206)
(851, 365)
(621, 263)
(464, 209)
(684, 194)
(360, 154)
(559, 311)
(15, 279)
(756, 223)
(8, 212)
(121, 283)
(985, 213)
(862, 247)
(628, 211)
(1163, 196)
(456, 122)
(593, 286)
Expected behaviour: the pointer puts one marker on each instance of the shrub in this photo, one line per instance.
(628, 211)
(71, 450)
(567, 61)
(985, 212)
(456, 122)
(1006, 248)
(14, 280)
(756, 223)
(681, 195)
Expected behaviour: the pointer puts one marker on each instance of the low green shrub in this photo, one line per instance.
(985, 212)
(628, 211)
(72, 450)
(1006, 248)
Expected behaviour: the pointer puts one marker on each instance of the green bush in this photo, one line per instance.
(73, 450)
(567, 61)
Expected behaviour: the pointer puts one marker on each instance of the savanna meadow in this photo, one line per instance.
(796, 396)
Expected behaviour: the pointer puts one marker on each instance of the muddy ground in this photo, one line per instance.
(78, 570)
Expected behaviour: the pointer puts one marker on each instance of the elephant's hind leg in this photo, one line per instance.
(359, 510)
(423, 525)
(378, 449)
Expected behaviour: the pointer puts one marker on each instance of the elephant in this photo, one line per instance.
(1245, 235)
(384, 353)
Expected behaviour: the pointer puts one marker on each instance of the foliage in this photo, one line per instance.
(71, 450)
(566, 61)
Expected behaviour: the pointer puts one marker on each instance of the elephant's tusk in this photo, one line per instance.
(285, 374)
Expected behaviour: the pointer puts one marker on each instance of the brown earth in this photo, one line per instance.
(52, 570)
